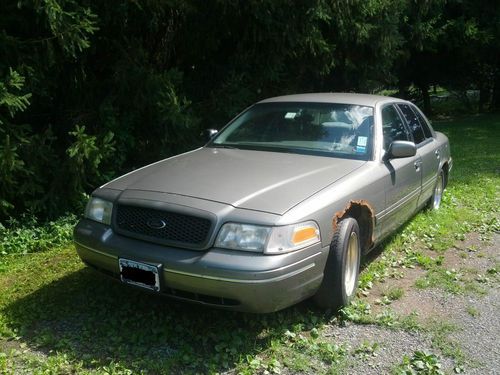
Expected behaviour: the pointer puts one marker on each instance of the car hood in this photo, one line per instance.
(265, 181)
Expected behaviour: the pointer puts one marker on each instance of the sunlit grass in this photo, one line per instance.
(471, 201)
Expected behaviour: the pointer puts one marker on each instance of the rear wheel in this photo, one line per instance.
(437, 195)
(340, 277)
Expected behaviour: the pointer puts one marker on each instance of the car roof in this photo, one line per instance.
(330, 97)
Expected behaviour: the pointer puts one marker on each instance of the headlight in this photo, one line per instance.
(99, 210)
(268, 240)
(243, 237)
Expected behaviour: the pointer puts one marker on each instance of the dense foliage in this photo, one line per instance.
(26, 235)
(90, 89)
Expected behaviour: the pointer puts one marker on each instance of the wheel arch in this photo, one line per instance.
(446, 169)
(363, 213)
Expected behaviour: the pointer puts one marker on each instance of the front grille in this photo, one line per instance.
(162, 226)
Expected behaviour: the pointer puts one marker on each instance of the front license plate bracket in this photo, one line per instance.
(140, 274)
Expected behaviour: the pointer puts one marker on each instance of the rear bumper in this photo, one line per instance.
(228, 279)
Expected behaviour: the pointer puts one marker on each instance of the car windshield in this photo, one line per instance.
(330, 129)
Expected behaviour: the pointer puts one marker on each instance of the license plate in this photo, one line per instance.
(140, 274)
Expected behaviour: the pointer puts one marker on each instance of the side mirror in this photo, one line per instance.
(208, 134)
(401, 149)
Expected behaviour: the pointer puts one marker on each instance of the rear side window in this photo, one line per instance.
(423, 122)
(413, 122)
(393, 126)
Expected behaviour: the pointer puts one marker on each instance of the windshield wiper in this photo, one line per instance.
(214, 145)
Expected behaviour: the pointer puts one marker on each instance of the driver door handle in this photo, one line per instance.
(417, 165)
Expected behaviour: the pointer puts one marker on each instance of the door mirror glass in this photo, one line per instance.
(401, 149)
(208, 134)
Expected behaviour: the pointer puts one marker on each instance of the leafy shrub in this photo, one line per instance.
(12, 100)
(421, 363)
(27, 235)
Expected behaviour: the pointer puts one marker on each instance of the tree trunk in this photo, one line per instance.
(403, 90)
(495, 100)
(484, 96)
(424, 89)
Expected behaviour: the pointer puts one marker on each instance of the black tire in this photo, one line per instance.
(334, 291)
(437, 195)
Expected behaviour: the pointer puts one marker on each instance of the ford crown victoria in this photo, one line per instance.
(279, 206)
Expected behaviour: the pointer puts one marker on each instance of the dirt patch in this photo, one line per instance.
(422, 304)
(405, 282)
(473, 258)
(473, 314)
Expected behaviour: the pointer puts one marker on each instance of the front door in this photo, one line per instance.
(403, 181)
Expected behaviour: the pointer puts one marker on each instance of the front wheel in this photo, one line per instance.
(437, 195)
(340, 277)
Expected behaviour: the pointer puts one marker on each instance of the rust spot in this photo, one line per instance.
(363, 212)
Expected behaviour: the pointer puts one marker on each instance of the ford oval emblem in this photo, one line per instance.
(156, 223)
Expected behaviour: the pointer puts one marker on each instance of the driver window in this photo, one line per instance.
(393, 127)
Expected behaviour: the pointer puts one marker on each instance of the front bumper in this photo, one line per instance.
(229, 279)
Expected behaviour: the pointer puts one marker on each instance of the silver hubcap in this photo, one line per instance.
(438, 192)
(351, 266)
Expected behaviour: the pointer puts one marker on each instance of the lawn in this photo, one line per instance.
(57, 316)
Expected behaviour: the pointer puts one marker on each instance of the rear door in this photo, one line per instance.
(403, 181)
(427, 148)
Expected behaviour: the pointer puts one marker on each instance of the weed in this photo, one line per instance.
(410, 323)
(492, 271)
(420, 363)
(449, 280)
(453, 281)
(386, 318)
(3, 363)
(394, 293)
(367, 350)
(390, 295)
(440, 331)
(358, 311)
(472, 311)
(297, 362)
(28, 236)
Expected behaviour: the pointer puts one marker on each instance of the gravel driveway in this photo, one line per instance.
(464, 329)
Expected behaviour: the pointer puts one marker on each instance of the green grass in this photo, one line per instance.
(440, 331)
(394, 293)
(57, 316)
(471, 202)
(28, 235)
(472, 311)
(389, 295)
